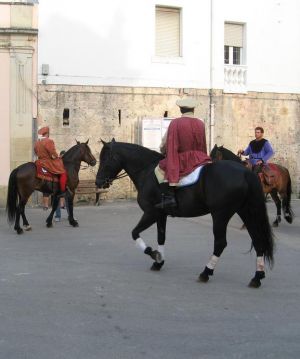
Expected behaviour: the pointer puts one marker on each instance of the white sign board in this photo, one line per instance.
(153, 130)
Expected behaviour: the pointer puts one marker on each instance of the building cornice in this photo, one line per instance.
(18, 31)
(28, 3)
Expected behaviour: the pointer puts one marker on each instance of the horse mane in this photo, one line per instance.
(70, 153)
(138, 151)
(228, 155)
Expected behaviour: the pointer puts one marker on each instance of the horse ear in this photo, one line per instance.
(103, 142)
(78, 142)
(222, 146)
(87, 141)
(113, 140)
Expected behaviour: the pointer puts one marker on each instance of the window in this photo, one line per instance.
(233, 44)
(167, 31)
(66, 116)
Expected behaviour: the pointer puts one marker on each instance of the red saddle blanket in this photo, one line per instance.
(44, 174)
(269, 174)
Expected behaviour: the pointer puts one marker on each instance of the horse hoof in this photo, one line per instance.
(156, 256)
(203, 278)
(254, 283)
(49, 225)
(19, 230)
(157, 266)
(74, 224)
(275, 224)
(289, 219)
(27, 228)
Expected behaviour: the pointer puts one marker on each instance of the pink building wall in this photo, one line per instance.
(4, 118)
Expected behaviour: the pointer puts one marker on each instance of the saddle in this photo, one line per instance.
(185, 181)
(43, 174)
(269, 175)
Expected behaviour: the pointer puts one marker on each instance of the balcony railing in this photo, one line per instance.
(235, 78)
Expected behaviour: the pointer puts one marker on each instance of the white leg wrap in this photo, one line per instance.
(140, 244)
(161, 250)
(260, 264)
(212, 262)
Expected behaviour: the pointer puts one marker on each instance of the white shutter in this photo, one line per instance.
(233, 35)
(167, 32)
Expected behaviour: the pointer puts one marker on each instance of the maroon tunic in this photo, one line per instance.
(48, 157)
(185, 148)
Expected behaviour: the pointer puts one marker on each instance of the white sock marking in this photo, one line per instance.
(212, 262)
(161, 250)
(260, 264)
(140, 244)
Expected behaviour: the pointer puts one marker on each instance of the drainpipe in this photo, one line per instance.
(211, 104)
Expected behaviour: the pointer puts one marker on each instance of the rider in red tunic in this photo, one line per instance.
(49, 159)
(185, 149)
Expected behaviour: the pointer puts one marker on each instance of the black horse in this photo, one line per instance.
(224, 188)
(23, 181)
(279, 189)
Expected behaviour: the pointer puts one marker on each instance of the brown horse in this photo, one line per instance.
(275, 180)
(23, 181)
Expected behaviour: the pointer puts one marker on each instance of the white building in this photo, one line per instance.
(116, 43)
(105, 66)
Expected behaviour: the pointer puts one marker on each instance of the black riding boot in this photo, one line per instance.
(167, 196)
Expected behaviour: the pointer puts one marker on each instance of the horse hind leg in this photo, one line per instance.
(26, 225)
(220, 222)
(255, 282)
(17, 226)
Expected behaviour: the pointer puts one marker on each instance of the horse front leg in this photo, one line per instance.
(70, 208)
(159, 254)
(145, 222)
(276, 199)
(286, 206)
(49, 220)
(220, 222)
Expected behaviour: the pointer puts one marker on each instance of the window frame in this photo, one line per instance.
(242, 49)
(231, 55)
(168, 59)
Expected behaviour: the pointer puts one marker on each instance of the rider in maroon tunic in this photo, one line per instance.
(185, 149)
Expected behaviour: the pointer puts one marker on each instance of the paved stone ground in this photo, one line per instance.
(87, 292)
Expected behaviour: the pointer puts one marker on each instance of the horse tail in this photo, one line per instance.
(12, 197)
(288, 212)
(258, 218)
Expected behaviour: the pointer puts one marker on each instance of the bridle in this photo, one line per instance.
(86, 165)
(108, 181)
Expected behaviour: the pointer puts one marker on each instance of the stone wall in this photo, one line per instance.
(104, 112)
(279, 115)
